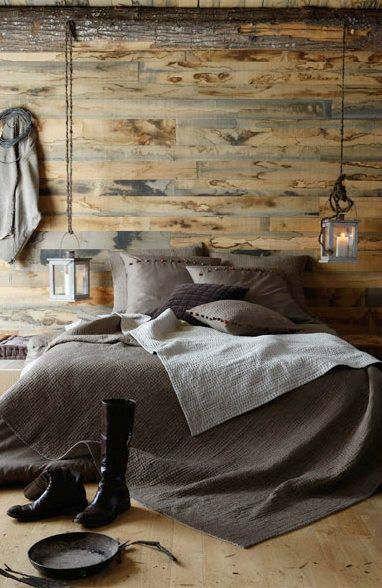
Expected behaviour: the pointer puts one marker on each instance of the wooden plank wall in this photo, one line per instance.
(213, 125)
(201, 3)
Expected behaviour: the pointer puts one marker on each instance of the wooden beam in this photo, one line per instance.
(25, 29)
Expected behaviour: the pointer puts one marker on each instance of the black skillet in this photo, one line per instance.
(80, 554)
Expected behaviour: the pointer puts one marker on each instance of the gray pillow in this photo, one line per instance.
(268, 289)
(150, 281)
(118, 273)
(239, 317)
(291, 267)
(118, 269)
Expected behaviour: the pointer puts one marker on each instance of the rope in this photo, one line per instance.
(70, 36)
(344, 31)
(338, 194)
(339, 201)
(13, 117)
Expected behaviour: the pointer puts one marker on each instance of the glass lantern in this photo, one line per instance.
(339, 238)
(69, 278)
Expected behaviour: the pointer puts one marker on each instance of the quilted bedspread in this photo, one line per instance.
(292, 460)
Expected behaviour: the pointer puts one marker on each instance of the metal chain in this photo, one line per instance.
(344, 32)
(70, 35)
(339, 201)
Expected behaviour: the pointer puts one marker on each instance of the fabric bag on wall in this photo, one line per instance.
(19, 182)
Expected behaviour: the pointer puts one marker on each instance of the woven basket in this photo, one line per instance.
(14, 347)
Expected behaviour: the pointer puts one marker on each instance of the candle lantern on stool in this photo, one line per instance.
(339, 235)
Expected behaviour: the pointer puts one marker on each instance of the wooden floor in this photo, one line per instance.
(342, 551)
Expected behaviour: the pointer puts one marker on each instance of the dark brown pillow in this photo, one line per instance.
(118, 269)
(239, 317)
(291, 267)
(187, 296)
(268, 289)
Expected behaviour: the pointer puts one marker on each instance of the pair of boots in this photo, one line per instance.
(65, 493)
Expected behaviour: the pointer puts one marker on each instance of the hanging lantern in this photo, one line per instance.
(69, 276)
(339, 239)
(339, 235)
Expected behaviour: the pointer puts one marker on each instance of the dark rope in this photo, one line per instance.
(8, 118)
(70, 36)
(339, 201)
(344, 33)
(24, 121)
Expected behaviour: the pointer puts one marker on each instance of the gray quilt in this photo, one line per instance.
(306, 454)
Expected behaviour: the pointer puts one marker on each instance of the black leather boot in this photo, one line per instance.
(65, 495)
(37, 486)
(113, 496)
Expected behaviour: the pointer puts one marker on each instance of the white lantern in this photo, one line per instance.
(69, 278)
(338, 239)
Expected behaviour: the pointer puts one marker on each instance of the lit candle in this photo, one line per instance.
(342, 245)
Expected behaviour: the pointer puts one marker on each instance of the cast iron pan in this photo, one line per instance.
(74, 555)
(80, 554)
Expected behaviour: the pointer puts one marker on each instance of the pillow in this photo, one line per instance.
(118, 269)
(118, 273)
(291, 267)
(268, 289)
(151, 280)
(187, 296)
(238, 317)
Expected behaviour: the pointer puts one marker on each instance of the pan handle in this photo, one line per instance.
(153, 544)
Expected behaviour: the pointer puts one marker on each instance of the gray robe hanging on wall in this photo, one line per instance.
(19, 189)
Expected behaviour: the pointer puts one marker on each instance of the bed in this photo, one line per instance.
(297, 457)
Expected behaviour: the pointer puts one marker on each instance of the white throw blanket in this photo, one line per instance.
(217, 376)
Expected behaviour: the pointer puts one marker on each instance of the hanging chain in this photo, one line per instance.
(344, 32)
(70, 35)
(339, 201)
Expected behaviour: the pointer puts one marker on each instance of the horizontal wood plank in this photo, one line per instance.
(232, 28)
